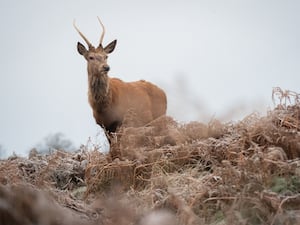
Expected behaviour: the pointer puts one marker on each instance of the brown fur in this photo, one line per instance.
(111, 98)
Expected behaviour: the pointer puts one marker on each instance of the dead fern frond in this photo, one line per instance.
(285, 97)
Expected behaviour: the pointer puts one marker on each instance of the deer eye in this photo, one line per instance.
(91, 57)
(105, 57)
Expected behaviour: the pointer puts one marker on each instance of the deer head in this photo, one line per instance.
(96, 57)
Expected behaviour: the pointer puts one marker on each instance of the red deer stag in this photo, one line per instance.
(111, 98)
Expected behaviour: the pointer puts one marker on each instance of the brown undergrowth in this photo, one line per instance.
(245, 172)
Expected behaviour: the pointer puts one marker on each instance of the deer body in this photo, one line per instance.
(111, 98)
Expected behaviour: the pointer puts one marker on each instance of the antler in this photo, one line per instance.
(81, 34)
(103, 32)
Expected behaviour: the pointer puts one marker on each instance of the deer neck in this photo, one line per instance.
(99, 91)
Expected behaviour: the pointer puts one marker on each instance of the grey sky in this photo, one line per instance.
(209, 56)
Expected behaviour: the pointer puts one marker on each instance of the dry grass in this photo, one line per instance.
(169, 173)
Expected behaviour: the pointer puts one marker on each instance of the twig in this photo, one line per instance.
(226, 198)
(280, 206)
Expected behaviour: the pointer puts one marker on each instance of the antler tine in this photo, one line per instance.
(103, 32)
(81, 34)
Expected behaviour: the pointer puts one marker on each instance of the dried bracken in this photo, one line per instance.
(166, 172)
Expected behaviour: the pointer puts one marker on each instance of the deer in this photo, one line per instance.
(111, 99)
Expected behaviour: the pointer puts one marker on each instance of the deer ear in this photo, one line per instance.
(110, 47)
(81, 49)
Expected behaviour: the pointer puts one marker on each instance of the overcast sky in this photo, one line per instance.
(214, 58)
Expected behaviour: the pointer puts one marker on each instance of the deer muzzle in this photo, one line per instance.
(106, 68)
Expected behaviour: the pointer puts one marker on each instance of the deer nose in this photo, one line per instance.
(106, 68)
